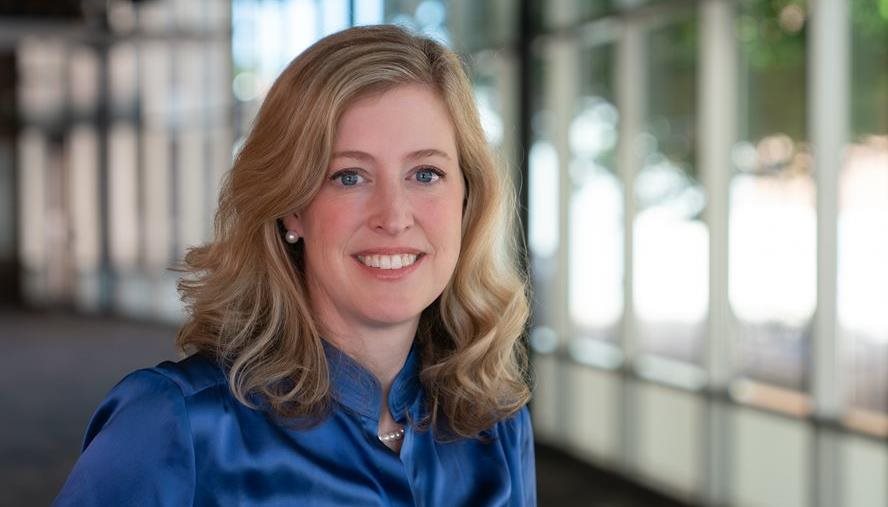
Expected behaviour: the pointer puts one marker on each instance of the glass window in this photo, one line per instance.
(596, 206)
(154, 16)
(160, 114)
(369, 12)
(155, 87)
(188, 14)
(543, 208)
(555, 14)
(82, 163)
(477, 25)
(123, 217)
(122, 67)
(426, 16)
(267, 35)
(494, 83)
(83, 80)
(560, 13)
(41, 92)
(82, 155)
(191, 172)
(33, 153)
(334, 16)
(863, 215)
(671, 241)
(772, 217)
(41, 88)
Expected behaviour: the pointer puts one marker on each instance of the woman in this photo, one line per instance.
(355, 321)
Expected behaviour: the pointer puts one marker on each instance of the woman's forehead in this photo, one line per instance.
(411, 118)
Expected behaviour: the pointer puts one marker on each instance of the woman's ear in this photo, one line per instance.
(293, 223)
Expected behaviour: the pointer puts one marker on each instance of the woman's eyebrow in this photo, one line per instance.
(426, 153)
(354, 154)
(413, 155)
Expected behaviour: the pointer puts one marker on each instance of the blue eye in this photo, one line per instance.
(427, 175)
(347, 178)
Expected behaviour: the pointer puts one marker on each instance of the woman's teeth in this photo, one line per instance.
(388, 261)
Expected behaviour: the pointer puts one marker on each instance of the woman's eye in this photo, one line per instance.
(347, 178)
(427, 175)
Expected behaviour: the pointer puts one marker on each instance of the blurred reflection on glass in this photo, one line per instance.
(121, 16)
(83, 195)
(188, 14)
(561, 13)
(863, 215)
(671, 242)
(155, 95)
(863, 270)
(83, 80)
(477, 25)
(123, 163)
(334, 16)
(193, 199)
(155, 16)
(488, 103)
(425, 16)
(158, 224)
(122, 68)
(555, 14)
(772, 223)
(122, 199)
(267, 34)
(596, 206)
(495, 86)
(543, 237)
(543, 200)
(82, 154)
(41, 85)
(33, 152)
(368, 12)
(41, 93)
(165, 113)
(488, 73)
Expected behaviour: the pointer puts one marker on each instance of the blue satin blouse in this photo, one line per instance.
(175, 435)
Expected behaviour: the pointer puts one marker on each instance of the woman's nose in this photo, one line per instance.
(392, 211)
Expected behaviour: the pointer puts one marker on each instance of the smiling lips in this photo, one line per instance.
(396, 261)
(390, 262)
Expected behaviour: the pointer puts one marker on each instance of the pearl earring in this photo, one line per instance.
(291, 237)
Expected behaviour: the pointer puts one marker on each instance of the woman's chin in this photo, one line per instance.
(393, 318)
(390, 312)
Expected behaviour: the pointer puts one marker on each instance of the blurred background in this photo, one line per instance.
(704, 197)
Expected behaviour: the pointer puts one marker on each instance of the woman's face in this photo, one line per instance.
(382, 236)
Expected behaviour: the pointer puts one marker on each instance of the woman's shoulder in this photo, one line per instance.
(192, 375)
(163, 391)
(189, 376)
(511, 431)
(517, 425)
(139, 443)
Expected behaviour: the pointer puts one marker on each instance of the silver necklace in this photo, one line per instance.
(391, 437)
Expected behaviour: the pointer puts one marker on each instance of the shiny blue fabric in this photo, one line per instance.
(174, 435)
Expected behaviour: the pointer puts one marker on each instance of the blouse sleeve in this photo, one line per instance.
(137, 450)
(528, 458)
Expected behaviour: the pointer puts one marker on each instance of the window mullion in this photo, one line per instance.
(828, 68)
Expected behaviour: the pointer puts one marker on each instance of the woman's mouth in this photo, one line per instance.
(395, 261)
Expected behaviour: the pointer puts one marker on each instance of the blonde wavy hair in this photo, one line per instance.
(246, 291)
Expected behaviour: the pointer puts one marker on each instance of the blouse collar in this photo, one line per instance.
(359, 390)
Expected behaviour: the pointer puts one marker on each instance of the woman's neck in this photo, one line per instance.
(382, 350)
